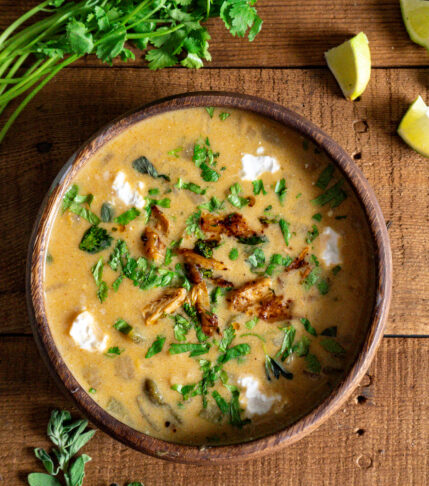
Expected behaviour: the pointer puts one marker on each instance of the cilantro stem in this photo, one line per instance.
(30, 96)
(154, 34)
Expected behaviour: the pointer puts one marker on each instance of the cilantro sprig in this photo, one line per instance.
(67, 31)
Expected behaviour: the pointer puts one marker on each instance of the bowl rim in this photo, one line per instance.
(245, 450)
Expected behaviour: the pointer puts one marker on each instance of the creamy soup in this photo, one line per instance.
(209, 276)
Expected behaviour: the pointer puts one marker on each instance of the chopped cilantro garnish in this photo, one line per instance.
(224, 115)
(156, 347)
(194, 349)
(332, 346)
(273, 367)
(256, 259)
(284, 228)
(280, 189)
(73, 202)
(175, 152)
(233, 254)
(313, 364)
(312, 235)
(250, 324)
(335, 195)
(330, 331)
(302, 347)
(325, 177)
(204, 158)
(317, 217)
(92, 390)
(210, 110)
(193, 225)
(287, 344)
(122, 326)
(235, 199)
(114, 351)
(190, 186)
(181, 327)
(153, 192)
(336, 269)
(308, 327)
(237, 351)
(221, 402)
(213, 205)
(258, 187)
(127, 216)
(252, 240)
(322, 286)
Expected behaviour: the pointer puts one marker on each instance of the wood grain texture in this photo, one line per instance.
(381, 439)
(81, 100)
(291, 36)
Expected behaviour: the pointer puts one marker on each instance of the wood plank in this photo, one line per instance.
(297, 33)
(82, 100)
(381, 439)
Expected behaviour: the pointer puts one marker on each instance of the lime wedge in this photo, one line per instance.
(350, 63)
(415, 14)
(414, 127)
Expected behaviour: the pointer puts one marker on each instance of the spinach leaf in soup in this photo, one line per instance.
(107, 212)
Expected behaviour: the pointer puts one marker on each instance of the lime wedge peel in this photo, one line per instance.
(414, 127)
(350, 63)
(415, 14)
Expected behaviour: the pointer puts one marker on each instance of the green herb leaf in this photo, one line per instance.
(284, 228)
(313, 364)
(213, 205)
(312, 235)
(195, 349)
(205, 247)
(335, 195)
(120, 250)
(330, 331)
(287, 344)
(227, 338)
(181, 327)
(144, 166)
(273, 367)
(336, 269)
(175, 152)
(235, 352)
(235, 199)
(233, 254)
(69, 197)
(258, 187)
(221, 402)
(122, 326)
(302, 347)
(210, 111)
(325, 177)
(317, 217)
(42, 479)
(256, 259)
(106, 212)
(80, 39)
(250, 324)
(97, 271)
(190, 186)
(332, 346)
(252, 240)
(209, 174)
(114, 351)
(312, 278)
(156, 347)
(322, 286)
(308, 327)
(224, 115)
(127, 216)
(46, 459)
(193, 225)
(280, 189)
(95, 239)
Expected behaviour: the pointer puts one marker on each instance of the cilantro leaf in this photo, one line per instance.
(127, 216)
(156, 347)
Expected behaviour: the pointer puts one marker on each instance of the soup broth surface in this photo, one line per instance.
(209, 276)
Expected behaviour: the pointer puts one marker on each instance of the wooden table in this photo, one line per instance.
(380, 437)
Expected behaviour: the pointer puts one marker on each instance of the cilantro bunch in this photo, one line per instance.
(31, 56)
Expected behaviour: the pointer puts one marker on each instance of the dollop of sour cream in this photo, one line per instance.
(255, 402)
(331, 251)
(253, 166)
(86, 334)
(125, 193)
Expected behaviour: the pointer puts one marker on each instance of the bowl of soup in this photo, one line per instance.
(209, 277)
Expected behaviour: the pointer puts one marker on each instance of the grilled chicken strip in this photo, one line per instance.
(194, 258)
(232, 224)
(153, 247)
(161, 223)
(167, 303)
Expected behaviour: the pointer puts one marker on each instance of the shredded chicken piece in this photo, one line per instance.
(199, 297)
(153, 247)
(209, 321)
(273, 309)
(162, 223)
(191, 257)
(257, 298)
(232, 224)
(167, 303)
(221, 282)
(299, 260)
(246, 298)
(193, 273)
(199, 294)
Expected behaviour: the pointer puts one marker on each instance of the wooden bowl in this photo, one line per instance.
(303, 426)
